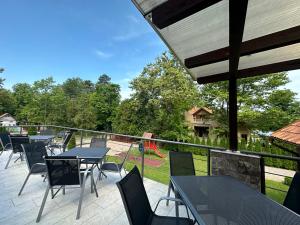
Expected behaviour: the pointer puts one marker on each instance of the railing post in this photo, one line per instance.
(81, 138)
(262, 175)
(208, 162)
(141, 148)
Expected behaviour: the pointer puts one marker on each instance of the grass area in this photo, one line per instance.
(161, 174)
(277, 196)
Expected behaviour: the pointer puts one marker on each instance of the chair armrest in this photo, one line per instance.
(37, 164)
(177, 200)
(170, 199)
(6, 146)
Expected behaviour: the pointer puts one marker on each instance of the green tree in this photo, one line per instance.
(262, 104)
(73, 87)
(85, 116)
(161, 95)
(105, 100)
(7, 102)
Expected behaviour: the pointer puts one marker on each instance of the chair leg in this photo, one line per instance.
(21, 156)
(8, 161)
(45, 177)
(43, 204)
(81, 196)
(176, 209)
(92, 184)
(95, 188)
(52, 193)
(24, 183)
(169, 191)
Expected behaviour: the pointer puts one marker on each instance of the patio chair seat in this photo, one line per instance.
(39, 168)
(166, 220)
(110, 166)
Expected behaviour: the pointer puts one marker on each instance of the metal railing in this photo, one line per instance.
(199, 149)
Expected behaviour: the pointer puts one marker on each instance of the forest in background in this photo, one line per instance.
(160, 95)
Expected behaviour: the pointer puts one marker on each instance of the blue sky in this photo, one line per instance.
(68, 38)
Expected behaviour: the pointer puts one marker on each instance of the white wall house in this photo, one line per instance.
(7, 120)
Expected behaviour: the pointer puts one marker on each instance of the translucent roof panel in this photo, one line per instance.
(193, 30)
(277, 55)
(200, 32)
(210, 69)
(270, 16)
(147, 5)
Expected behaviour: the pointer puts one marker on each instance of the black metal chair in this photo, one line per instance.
(113, 166)
(5, 142)
(137, 204)
(292, 199)
(16, 141)
(96, 143)
(34, 155)
(47, 132)
(65, 171)
(181, 164)
(63, 145)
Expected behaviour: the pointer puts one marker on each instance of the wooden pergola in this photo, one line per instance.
(218, 40)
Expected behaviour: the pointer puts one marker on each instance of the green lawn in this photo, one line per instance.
(161, 173)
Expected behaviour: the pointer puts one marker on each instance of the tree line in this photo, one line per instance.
(160, 95)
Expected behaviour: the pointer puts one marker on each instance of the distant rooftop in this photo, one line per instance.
(290, 133)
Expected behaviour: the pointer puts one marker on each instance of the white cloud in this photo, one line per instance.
(126, 91)
(295, 82)
(129, 35)
(133, 19)
(103, 55)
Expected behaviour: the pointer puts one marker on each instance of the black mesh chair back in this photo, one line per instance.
(16, 142)
(126, 156)
(63, 170)
(67, 139)
(292, 199)
(5, 140)
(181, 164)
(98, 142)
(135, 199)
(35, 153)
(47, 132)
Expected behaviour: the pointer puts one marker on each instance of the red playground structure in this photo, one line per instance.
(150, 146)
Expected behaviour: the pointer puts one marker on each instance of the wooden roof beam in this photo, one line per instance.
(173, 11)
(271, 41)
(255, 71)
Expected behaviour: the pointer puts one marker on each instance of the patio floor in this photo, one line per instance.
(106, 210)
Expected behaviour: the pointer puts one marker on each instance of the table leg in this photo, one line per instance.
(81, 193)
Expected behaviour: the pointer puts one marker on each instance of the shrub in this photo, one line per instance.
(32, 131)
(72, 143)
(287, 181)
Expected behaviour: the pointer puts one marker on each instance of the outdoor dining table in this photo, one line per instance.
(216, 200)
(86, 153)
(41, 137)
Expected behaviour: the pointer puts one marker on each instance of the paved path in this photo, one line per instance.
(282, 172)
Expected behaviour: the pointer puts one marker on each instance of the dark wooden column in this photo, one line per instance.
(237, 16)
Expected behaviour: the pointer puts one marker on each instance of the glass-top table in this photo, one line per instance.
(41, 137)
(86, 153)
(217, 200)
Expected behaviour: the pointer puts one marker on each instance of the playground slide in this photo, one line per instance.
(153, 147)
